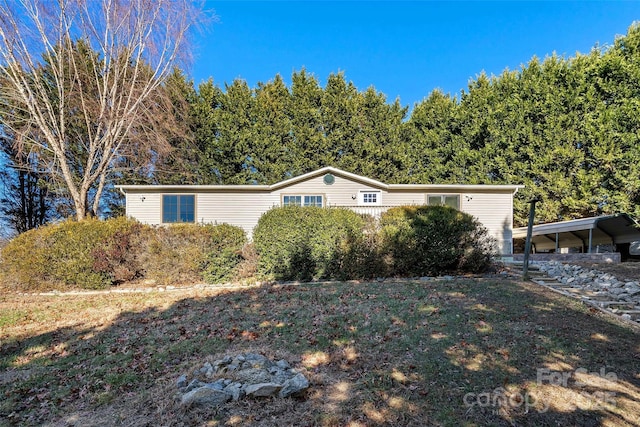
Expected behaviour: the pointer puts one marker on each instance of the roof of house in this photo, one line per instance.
(326, 170)
(606, 229)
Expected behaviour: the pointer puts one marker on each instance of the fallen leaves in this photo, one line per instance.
(410, 350)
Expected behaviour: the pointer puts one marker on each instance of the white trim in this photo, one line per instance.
(436, 188)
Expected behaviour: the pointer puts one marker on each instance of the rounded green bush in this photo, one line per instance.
(305, 243)
(225, 253)
(431, 240)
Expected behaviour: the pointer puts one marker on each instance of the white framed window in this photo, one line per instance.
(313, 201)
(291, 200)
(303, 200)
(452, 200)
(370, 198)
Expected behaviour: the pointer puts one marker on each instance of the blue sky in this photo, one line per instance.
(403, 49)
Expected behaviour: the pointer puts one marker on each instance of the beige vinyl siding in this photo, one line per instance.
(241, 209)
(337, 194)
(494, 211)
(145, 207)
(403, 198)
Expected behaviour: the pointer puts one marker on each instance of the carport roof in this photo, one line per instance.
(583, 232)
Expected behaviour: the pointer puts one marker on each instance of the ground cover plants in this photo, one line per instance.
(391, 353)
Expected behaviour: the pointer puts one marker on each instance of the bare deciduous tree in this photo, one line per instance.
(82, 78)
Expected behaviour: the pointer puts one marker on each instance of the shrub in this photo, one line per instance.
(248, 266)
(303, 243)
(290, 243)
(118, 255)
(95, 254)
(24, 262)
(358, 255)
(184, 253)
(225, 253)
(67, 254)
(428, 240)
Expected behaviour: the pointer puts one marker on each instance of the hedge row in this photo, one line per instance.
(290, 243)
(94, 254)
(303, 243)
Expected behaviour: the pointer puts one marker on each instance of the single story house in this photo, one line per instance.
(242, 205)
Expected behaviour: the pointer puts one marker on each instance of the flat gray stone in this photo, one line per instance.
(218, 385)
(633, 291)
(262, 389)
(253, 376)
(193, 385)
(205, 396)
(207, 370)
(294, 385)
(283, 364)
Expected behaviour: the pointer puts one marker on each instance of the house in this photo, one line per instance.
(242, 205)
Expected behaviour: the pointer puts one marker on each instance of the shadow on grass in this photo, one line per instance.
(469, 352)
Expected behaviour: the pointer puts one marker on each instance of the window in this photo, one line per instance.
(313, 201)
(178, 208)
(292, 200)
(370, 198)
(309, 200)
(452, 200)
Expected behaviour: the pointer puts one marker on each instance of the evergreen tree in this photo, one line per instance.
(566, 128)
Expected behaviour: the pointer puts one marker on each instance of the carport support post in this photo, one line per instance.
(527, 246)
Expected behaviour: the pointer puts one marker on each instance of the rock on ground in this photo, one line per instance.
(249, 376)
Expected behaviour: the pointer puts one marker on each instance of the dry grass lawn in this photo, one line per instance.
(472, 352)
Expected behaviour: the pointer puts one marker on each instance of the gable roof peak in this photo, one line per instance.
(331, 170)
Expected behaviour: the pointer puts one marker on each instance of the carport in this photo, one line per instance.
(584, 233)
